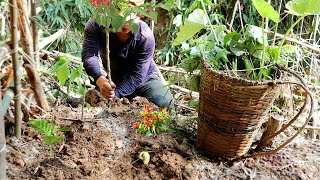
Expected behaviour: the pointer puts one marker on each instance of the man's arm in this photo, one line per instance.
(90, 50)
(138, 75)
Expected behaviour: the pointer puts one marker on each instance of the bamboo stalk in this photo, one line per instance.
(25, 33)
(29, 65)
(35, 32)
(16, 68)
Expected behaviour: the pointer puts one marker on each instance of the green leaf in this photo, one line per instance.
(50, 140)
(133, 26)
(193, 6)
(195, 22)
(190, 64)
(117, 22)
(248, 66)
(62, 74)
(231, 36)
(273, 52)
(63, 61)
(237, 48)
(61, 69)
(148, 133)
(164, 127)
(208, 2)
(42, 126)
(303, 7)
(88, 106)
(76, 73)
(64, 129)
(222, 54)
(167, 6)
(266, 10)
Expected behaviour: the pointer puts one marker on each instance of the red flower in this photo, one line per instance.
(107, 3)
(96, 3)
(147, 122)
(136, 125)
(145, 112)
(158, 118)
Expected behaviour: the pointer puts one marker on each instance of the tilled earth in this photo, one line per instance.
(103, 146)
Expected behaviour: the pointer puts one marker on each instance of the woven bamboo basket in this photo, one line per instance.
(231, 111)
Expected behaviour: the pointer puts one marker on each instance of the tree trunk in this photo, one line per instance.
(16, 68)
(27, 47)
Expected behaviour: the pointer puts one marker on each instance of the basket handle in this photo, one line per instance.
(302, 85)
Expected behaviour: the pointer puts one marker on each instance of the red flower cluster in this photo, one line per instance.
(98, 3)
(153, 121)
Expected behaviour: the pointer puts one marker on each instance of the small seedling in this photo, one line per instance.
(49, 131)
(145, 157)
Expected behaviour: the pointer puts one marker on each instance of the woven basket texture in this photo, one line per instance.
(231, 111)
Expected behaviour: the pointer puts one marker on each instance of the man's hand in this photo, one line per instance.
(106, 88)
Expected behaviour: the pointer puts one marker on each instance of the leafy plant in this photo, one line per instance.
(153, 122)
(73, 78)
(49, 131)
(232, 51)
(69, 15)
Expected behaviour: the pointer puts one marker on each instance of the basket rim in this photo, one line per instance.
(239, 79)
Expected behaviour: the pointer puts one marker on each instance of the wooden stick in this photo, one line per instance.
(187, 91)
(295, 41)
(306, 127)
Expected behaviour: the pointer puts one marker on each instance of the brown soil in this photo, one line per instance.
(103, 146)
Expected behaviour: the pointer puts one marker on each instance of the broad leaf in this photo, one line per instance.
(167, 6)
(303, 7)
(222, 54)
(41, 126)
(76, 73)
(63, 61)
(231, 36)
(61, 69)
(117, 22)
(50, 140)
(266, 10)
(195, 22)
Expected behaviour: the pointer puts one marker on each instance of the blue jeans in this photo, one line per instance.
(156, 92)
